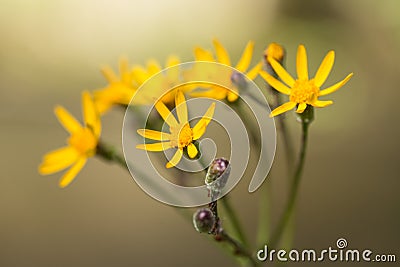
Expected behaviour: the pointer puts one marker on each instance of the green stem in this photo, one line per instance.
(231, 214)
(238, 248)
(294, 187)
(108, 153)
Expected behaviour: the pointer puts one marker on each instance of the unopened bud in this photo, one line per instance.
(203, 220)
(239, 80)
(217, 176)
(275, 51)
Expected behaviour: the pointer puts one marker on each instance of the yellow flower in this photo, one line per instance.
(161, 85)
(222, 57)
(81, 144)
(181, 134)
(303, 91)
(119, 90)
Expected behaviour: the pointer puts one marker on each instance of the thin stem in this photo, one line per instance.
(231, 214)
(294, 187)
(222, 236)
(238, 248)
(108, 153)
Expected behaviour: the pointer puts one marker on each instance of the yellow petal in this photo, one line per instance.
(90, 114)
(192, 150)
(156, 147)
(166, 114)
(324, 69)
(109, 74)
(201, 125)
(153, 67)
(58, 160)
(301, 107)
(201, 54)
(67, 120)
(70, 175)
(282, 108)
(175, 159)
(123, 66)
(322, 104)
(336, 86)
(222, 54)
(245, 59)
(139, 74)
(173, 73)
(233, 95)
(154, 135)
(215, 93)
(181, 107)
(301, 63)
(252, 74)
(60, 154)
(282, 73)
(275, 83)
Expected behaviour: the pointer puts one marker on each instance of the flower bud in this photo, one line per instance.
(275, 51)
(239, 80)
(217, 176)
(203, 220)
(217, 169)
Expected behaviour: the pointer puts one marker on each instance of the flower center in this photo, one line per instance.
(182, 136)
(84, 142)
(304, 91)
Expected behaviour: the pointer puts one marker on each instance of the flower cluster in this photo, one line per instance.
(120, 88)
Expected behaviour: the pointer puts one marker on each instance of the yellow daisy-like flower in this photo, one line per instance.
(119, 90)
(161, 85)
(181, 134)
(222, 57)
(303, 91)
(122, 87)
(81, 144)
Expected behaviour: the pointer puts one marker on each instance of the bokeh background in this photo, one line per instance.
(52, 50)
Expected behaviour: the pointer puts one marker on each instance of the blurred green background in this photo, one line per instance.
(52, 50)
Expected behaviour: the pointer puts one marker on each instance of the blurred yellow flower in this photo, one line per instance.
(81, 144)
(162, 83)
(233, 80)
(181, 134)
(122, 87)
(303, 91)
(119, 90)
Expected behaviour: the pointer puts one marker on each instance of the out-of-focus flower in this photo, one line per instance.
(122, 87)
(161, 85)
(303, 91)
(181, 134)
(234, 80)
(82, 142)
(119, 90)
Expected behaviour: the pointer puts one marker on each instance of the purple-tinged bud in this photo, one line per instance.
(203, 220)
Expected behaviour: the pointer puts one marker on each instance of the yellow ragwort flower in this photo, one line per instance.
(181, 134)
(222, 57)
(122, 87)
(303, 91)
(119, 90)
(81, 144)
(163, 83)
